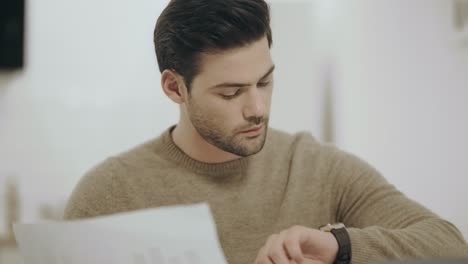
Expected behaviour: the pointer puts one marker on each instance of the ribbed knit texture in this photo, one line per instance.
(294, 180)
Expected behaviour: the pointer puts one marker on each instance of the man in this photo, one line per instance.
(270, 192)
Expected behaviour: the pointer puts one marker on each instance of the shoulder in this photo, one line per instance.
(305, 149)
(280, 140)
(105, 187)
(300, 146)
(94, 193)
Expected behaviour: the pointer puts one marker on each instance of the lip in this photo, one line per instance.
(253, 131)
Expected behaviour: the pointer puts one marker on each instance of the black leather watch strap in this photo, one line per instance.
(344, 246)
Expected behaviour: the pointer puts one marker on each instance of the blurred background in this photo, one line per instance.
(384, 79)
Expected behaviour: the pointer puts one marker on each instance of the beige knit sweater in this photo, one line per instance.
(294, 180)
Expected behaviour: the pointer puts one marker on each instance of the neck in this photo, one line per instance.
(191, 143)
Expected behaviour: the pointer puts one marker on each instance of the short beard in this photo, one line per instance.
(211, 132)
(228, 143)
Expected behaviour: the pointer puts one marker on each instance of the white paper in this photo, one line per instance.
(167, 235)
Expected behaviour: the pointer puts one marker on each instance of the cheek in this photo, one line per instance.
(267, 97)
(229, 114)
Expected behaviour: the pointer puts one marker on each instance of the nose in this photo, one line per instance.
(254, 106)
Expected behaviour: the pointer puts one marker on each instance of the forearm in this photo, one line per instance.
(383, 223)
(432, 237)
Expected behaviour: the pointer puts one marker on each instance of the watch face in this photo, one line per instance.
(330, 227)
(337, 225)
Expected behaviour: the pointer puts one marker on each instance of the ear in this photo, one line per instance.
(173, 86)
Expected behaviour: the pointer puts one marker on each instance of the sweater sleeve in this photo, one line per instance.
(99, 192)
(382, 222)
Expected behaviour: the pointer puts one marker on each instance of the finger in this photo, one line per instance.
(263, 260)
(262, 257)
(292, 244)
(306, 261)
(276, 250)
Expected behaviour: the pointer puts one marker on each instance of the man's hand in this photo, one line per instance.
(299, 245)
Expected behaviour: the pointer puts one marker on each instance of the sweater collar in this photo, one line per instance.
(172, 152)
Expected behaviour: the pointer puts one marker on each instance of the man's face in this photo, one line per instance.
(229, 101)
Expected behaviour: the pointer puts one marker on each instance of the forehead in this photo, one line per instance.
(244, 64)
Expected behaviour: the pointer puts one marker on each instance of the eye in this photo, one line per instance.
(231, 96)
(264, 84)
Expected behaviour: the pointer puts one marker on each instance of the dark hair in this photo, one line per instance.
(187, 28)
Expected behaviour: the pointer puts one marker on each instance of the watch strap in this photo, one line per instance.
(344, 246)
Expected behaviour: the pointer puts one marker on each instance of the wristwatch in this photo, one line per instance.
(344, 243)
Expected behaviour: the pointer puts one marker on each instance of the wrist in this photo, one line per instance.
(343, 242)
(333, 247)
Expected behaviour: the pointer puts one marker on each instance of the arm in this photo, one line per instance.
(384, 223)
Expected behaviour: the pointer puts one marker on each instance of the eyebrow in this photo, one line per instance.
(240, 85)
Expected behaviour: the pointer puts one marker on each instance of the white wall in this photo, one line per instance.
(90, 88)
(298, 91)
(401, 98)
